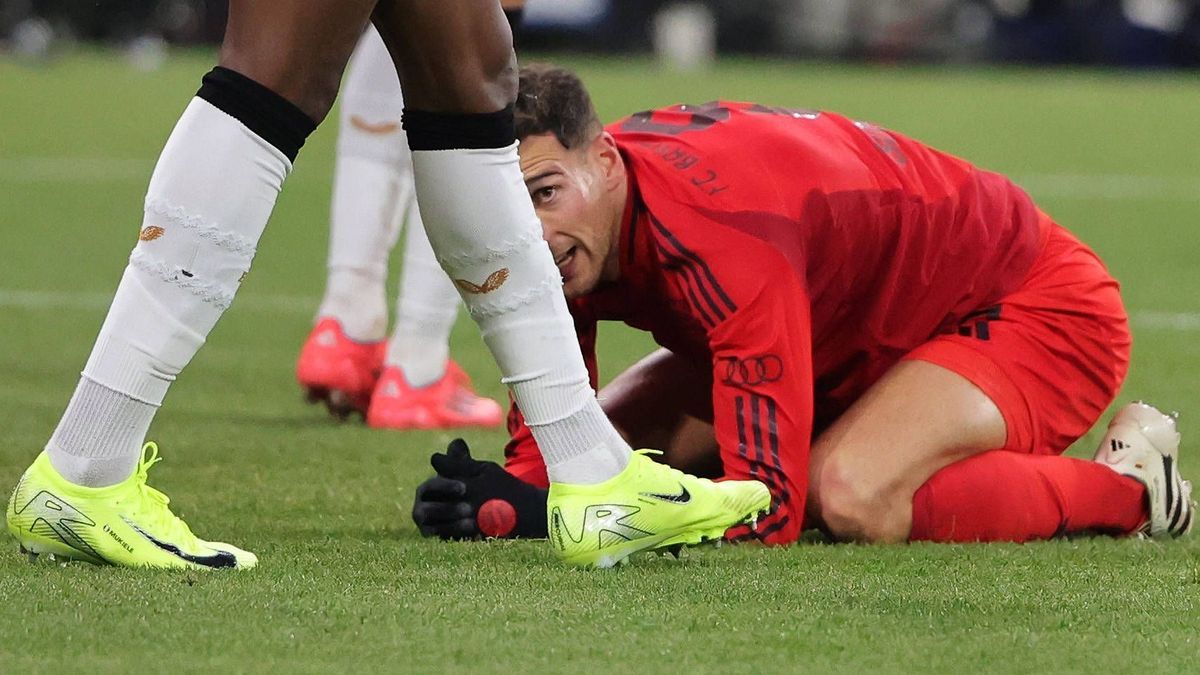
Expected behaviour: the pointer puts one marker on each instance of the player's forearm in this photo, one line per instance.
(662, 402)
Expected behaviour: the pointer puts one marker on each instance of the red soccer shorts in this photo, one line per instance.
(1052, 354)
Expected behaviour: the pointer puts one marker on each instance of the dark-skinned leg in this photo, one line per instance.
(296, 48)
(208, 201)
(458, 73)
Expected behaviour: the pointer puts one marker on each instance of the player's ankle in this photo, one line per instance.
(98, 439)
(582, 449)
(423, 362)
(357, 299)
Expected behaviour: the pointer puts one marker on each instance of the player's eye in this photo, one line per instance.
(544, 194)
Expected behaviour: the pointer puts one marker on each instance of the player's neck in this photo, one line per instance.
(620, 212)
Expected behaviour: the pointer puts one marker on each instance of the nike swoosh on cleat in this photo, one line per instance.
(682, 498)
(219, 560)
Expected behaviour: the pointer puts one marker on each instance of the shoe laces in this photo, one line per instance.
(156, 505)
(667, 468)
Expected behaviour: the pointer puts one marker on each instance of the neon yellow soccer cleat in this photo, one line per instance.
(647, 506)
(128, 524)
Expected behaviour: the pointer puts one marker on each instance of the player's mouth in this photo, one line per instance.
(564, 262)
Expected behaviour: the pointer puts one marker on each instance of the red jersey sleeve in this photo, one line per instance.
(756, 310)
(522, 458)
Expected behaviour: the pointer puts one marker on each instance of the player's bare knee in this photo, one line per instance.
(854, 508)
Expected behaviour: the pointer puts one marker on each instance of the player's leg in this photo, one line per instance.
(459, 76)
(918, 418)
(421, 386)
(426, 306)
(208, 201)
(1132, 486)
(341, 359)
(1032, 375)
(663, 402)
(921, 431)
(1006, 496)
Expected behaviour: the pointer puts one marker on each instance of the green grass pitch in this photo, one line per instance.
(346, 582)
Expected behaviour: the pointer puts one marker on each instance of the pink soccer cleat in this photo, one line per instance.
(446, 404)
(338, 371)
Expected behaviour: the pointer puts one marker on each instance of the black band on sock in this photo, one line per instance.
(459, 131)
(274, 118)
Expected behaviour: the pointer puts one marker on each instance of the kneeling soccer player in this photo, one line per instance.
(900, 344)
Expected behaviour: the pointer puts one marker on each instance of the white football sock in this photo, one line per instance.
(209, 198)
(425, 309)
(367, 190)
(482, 226)
(95, 442)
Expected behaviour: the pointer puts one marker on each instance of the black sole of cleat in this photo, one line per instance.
(338, 404)
(341, 406)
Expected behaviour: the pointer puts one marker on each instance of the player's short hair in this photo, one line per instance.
(553, 100)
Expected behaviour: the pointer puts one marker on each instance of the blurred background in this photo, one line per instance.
(687, 34)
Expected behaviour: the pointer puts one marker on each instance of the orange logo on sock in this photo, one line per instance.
(371, 128)
(495, 280)
(151, 233)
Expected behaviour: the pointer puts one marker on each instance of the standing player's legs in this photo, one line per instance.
(344, 361)
(426, 305)
(341, 359)
(421, 387)
(369, 192)
(459, 76)
(209, 199)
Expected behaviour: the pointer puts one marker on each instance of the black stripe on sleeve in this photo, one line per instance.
(703, 266)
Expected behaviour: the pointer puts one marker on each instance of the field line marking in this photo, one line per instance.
(1109, 186)
(269, 303)
(29, 170)
(85, 301)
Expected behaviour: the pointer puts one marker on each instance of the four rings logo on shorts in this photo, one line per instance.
(752, 371)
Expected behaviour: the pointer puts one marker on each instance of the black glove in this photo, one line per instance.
(471, 498)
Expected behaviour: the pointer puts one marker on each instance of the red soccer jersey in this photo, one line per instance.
(798, 254)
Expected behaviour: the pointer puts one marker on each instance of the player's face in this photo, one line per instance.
(579, 195)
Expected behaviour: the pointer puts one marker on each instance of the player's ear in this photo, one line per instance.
(606, 154)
